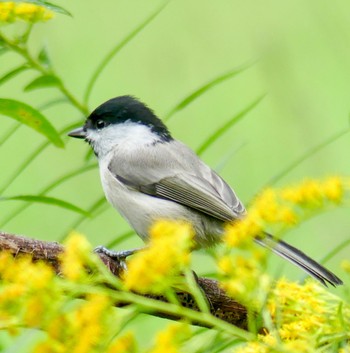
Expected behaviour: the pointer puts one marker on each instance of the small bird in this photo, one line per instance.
(147, 175)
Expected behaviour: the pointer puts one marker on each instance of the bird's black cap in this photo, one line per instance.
(126, 108)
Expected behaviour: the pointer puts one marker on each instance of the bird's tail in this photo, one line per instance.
(300, 259)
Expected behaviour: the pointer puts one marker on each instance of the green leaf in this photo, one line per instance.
(56, 8)
(52, 7)
(9, 133)
(120, 238)
(201, 90)
(294, 164)
(43, 82)
(13, 73)
(116, 49)
(20, 168)
(52, 103)
(3, 50)
(340, 247)
(47, 200)
(226, 157)
(53, 185)
(31, 117)
(221, 130)
(89, 154)
(44, 57)
(100, 203)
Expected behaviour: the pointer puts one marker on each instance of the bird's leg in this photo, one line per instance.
(117, 255)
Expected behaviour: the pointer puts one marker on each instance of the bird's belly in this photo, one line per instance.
(142, 210)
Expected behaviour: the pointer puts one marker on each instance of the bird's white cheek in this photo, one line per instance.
(101, 141)
(129, 135)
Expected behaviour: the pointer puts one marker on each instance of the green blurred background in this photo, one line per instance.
(299, 56)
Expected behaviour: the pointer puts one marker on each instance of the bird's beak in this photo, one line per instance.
(79, 133)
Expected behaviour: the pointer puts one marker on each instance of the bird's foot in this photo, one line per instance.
(119, 256)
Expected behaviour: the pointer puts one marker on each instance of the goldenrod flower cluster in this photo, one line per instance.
(303, 311)
(11, 11)
(75, 257)
(316, 193)
(306, 317)
(152, 270)
(242, 265)
(85, 327)
(25, 291)
(285, 207)
(33, 296)
(243, 277)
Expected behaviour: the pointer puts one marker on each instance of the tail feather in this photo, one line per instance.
(300, 259)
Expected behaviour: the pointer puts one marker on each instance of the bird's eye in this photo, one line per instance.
(100, 124)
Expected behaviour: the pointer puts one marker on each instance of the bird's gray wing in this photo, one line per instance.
(222, 190)
(175, 173)
(188, 192)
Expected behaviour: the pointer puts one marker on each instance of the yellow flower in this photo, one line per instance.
(40, 274)
(152, 270)
(266, 205)
(243, 277)
(34, 312)
(269, 339)
(346, 265)
(333, 188)
(308, 192)
(56, 326)
(282, 207)
(10, 292)
(27, 290)
(50, 346)
(17, 271)
(225, 264)
(170, 339)
(86, 323)
(123, 344)
(252, 347)
(304, 311)
(6, 11)
(268, 343)
(11, 11)
(75, 256)
(286, 215)
(299, 346)
(91, 309)
(315, 193)
(242, 232)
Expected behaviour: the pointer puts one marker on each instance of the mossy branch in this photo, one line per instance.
(221, 305)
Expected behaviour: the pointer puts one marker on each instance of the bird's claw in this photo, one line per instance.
(119, 256)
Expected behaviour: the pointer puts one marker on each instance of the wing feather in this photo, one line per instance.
(186, 193)
(174, 172)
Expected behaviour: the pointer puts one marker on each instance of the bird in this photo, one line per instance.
(148, 175)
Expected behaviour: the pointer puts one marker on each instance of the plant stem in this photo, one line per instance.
(35, 64)
(150, 304)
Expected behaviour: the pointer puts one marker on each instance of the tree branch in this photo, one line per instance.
(221, 305)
